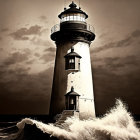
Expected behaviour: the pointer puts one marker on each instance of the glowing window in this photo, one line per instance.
(71, 61)
(73, 17)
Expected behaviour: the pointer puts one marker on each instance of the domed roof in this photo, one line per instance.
(73, 9)
(72, 93)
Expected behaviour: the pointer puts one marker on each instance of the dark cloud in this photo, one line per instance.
(117, 77)
(18, 86)
(43, 18)
(118, 62)
(122, 43)
(30, 62)
(136, 33)
(41, 42)
(48, 57)
(23, 33)
(108, 86)
(98, 59)
(50, 49)
(129, 60)
(119, 44)
(4, 30)
(17, 57)
(8, 75)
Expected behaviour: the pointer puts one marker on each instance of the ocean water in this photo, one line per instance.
(116, 124)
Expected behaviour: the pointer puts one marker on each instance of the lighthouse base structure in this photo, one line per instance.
(81, 80)
(63, 117)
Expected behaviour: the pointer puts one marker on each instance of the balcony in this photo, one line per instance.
(56, 28)
(90, 28)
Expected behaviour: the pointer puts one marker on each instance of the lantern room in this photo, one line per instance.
(72, 61)
(73, 17)
(73, 14)
(72, 100)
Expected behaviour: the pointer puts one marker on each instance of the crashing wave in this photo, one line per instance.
(117, 124)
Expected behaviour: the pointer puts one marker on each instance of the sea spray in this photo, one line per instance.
(117, 124)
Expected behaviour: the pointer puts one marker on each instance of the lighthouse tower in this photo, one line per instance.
(72, 87)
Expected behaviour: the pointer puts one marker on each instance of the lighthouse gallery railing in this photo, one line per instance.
(56, 28)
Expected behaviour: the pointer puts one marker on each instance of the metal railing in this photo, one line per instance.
(56, 28)
(90, 28)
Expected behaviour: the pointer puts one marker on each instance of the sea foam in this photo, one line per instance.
(116, 124)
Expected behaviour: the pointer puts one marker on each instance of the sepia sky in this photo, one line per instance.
(27, 53)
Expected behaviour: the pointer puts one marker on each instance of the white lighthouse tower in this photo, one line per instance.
(72, 84)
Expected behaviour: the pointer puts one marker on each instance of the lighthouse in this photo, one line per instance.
(72, 88)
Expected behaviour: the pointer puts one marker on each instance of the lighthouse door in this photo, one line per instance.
(72, 105)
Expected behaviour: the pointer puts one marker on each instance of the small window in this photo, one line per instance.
(71, 101)
(71, 61)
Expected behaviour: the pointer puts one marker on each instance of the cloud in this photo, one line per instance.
(17, 57)
(50, 49)
(119, 44)
(116, 74)
(122, 43)
(4, 30)
(136, 33)
(49, 54)
(41, 42)
(48, 57)
(43, 18)
(119, 62)
(18, 86)
(37, 54)
(109, 85)
(30, 61)
(24, 33)
(98, 59)
(17, 81)
(114, 67)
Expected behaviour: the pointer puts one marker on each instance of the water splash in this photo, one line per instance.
(116, 124)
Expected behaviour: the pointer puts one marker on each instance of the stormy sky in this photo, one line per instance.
(27, 53)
